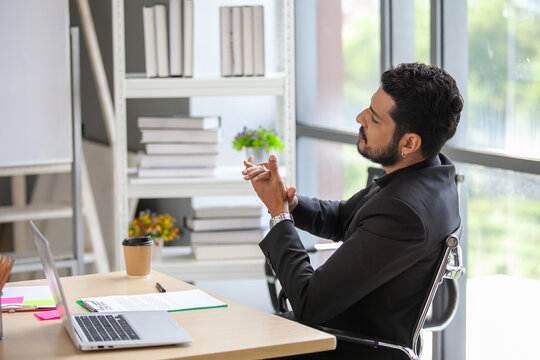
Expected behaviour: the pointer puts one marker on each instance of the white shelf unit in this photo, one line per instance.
(128, 86)
(139, 88)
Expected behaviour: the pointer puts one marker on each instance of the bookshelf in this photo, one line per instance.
(277, 84)
(142, 88)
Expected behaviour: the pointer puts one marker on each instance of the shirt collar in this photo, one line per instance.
(387, 178)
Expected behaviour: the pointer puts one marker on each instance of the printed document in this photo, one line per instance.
(170, 301)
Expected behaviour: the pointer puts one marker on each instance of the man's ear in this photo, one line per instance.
(410, 143)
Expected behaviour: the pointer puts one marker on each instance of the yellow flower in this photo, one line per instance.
(160, 226)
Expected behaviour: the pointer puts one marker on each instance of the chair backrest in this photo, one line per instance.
(450, 267)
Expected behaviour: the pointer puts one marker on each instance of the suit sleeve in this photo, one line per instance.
(324, 218)
(373, 252)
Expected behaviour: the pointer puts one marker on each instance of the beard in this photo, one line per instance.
(387, 156)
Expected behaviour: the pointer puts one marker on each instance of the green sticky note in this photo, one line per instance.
(48, 302)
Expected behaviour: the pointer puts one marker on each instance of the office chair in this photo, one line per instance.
(450, 267)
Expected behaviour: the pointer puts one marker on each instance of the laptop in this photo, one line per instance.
(108, 330)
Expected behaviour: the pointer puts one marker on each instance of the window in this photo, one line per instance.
(503, 206)
(361, 56)
(344, 83)
(492, 48)
(504, 77)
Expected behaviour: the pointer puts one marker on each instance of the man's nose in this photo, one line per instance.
(361, 118)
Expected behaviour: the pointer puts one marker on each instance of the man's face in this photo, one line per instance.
(376, 140)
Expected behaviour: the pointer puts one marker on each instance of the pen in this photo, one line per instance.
(160, 288)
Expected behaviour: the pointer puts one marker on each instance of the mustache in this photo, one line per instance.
(362, 132)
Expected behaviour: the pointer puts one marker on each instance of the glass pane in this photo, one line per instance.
(503, 265)
(361, 56)
(504, 77)
(330, 170)
(422, 37)
(504, 223)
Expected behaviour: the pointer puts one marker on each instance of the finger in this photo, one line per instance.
(272, 164)
(251, 168)
(291, 191)
(262, 177)
(252, 172)
(250, 159)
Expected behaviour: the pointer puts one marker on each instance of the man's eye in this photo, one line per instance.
(373, 119)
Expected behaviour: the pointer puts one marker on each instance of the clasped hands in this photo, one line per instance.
(269, 186)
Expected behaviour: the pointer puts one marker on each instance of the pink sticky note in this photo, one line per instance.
(12, 300)
(48, 315)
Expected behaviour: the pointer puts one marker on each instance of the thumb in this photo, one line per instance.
(291, 191)
(272, 164)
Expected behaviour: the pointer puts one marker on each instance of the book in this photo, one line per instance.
(225, 40)
(227, 211)
(247, 40)
(236, 35)
(150, 51)
(224, 223)
(27, 298)
(188, 38)
(177, 161)
(229, 251)
(258, 40)
(170, 301)
(175, 38)
(253, 236)
(175, 172)
(179, 122)
(181, 148)
(167, 135)
(162, 43)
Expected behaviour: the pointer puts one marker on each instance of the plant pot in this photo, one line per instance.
(260, 155)
(157, 248)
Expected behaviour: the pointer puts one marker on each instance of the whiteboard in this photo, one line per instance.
(35, 86)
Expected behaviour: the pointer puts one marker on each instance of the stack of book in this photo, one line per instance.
(168, 39)
(179, 146)
(242, 40)
(226, 232)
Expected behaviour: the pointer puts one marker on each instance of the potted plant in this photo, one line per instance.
(158, 226)
(258, 142)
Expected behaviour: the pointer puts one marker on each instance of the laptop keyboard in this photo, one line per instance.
(106, 328)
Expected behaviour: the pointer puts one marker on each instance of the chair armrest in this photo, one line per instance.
(361, 340)
(439, 324)
(323, 247)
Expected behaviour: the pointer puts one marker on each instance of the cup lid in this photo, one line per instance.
(137, 241)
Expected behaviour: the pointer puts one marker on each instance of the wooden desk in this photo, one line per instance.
(234, 332)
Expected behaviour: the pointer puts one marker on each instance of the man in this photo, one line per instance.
(393, 231)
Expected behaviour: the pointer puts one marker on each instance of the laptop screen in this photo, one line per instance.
(51, 274)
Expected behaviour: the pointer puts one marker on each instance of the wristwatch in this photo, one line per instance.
(279, 218)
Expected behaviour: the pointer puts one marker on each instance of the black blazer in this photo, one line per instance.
(393, 233)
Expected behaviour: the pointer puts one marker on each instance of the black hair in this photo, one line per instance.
(428, 103)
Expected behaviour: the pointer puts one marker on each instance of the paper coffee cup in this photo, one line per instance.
(138, 256)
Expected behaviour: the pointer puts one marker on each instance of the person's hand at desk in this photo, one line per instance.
(269, 186)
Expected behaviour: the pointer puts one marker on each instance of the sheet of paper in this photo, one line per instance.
(170, 301)
(48, 315)
(12, 300)
(39, 296)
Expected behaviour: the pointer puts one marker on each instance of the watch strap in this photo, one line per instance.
(279, 218)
